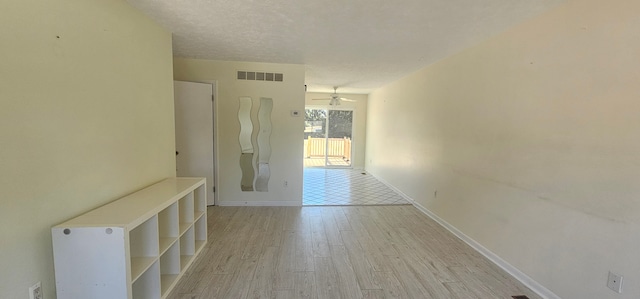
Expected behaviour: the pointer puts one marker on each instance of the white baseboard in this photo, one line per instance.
(259, 203)
(392, 187)
(504, 265)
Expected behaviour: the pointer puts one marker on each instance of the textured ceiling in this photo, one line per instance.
(357, 45)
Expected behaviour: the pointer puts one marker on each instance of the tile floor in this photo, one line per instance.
(320, 162)
(336, 187)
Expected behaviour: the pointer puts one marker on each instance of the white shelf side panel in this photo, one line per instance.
(90, 262)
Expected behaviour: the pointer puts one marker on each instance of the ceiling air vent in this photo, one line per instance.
(260, 76)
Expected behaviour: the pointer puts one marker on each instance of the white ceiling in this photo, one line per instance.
(357, 45)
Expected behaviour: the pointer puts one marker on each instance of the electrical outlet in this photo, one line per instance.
(615, 282)
(35, 291)
(285, 184)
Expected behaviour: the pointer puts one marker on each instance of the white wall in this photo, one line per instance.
(531, 140)
(86, 116)
(287, 131)
(360, 119)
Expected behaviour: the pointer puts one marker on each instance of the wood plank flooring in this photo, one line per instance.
(338, 252)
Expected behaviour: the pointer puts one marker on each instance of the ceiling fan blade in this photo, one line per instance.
(347, 100)
(323, 99)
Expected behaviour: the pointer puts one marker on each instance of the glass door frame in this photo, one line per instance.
(353, 122)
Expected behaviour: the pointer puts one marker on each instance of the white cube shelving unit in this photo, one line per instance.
(136, 247)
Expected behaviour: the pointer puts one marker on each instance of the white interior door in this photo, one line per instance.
(194, 132)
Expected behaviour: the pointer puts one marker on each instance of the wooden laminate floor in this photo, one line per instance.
(338, 252)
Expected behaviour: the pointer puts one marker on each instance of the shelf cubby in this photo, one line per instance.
(200, 199)
(143, 246)
(186, 209)
(187, 247)
(169, 268)
(148, 285)
(168, 228)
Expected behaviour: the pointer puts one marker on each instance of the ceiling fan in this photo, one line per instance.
(335, 98)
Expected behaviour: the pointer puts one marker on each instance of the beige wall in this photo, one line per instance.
(360, 119)
(287, 131)
(531, 140)
(86, 116)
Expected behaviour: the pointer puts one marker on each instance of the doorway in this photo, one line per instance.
(328, 137)
(194, 126)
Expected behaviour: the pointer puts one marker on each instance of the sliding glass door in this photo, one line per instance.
(328, 137)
